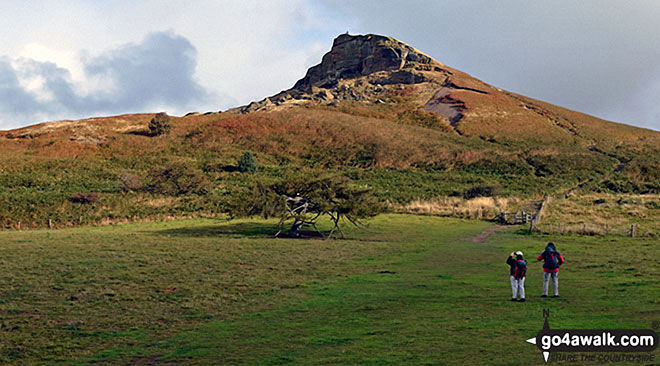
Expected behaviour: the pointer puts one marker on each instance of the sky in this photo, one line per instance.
(71, 59)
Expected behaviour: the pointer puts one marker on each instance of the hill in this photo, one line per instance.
(375, 109)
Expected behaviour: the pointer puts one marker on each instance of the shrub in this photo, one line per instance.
(652, 205)
(85, 198)
(622, 185)
(629, 201)
(247, 163)
(130, 182)
(160, 124)
(196, 132)
(177, 179)
(480, 191)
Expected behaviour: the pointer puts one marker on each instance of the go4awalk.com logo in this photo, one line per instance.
(614, 345)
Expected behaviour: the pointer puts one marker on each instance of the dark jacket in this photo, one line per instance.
(550, 251)
(518, 267)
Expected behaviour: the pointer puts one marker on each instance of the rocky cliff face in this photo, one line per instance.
(357, 68)
(354, 56)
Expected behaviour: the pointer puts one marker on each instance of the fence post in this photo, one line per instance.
(531, 226)
(50, 223)
(632, 230)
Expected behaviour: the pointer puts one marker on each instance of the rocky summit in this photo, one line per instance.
(355, 68)
(354, 56)
(374, 69)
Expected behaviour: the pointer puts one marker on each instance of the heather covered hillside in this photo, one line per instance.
(374, 110)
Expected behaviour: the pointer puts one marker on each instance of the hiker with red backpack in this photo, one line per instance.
(552, 261)
(518, 272)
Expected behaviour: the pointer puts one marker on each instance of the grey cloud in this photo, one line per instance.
(13, 99)
(159, 70)
(156, 72)
(57, 83)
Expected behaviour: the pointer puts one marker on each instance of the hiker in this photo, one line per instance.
(552, 261)
(518, 271)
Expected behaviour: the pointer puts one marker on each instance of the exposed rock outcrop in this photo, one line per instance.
(357, 68)
(375, 69)
(354, 56)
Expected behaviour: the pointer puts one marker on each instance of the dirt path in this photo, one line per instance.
(481, 237)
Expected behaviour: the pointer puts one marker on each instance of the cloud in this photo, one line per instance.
(155, 74)
(158, 71)
(14, 100)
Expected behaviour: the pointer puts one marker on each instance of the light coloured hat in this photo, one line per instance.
(519, 253)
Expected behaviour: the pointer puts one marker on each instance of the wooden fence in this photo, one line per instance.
(523, 217)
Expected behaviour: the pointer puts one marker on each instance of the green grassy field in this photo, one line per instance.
(412, 290)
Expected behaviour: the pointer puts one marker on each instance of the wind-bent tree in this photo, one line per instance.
(306, 198)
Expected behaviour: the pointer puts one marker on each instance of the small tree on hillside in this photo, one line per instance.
(307, 197)
(248, 163)
(160, 124)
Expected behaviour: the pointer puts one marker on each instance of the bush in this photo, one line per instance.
(623, 185)
(130, 182)
(480, 191)
(652, 205)
(629, 201)
(85, 198)
(247, 163)
(177, 179)
(160, 124)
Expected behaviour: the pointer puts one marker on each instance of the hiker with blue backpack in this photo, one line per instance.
(518, 271)
(552, 261)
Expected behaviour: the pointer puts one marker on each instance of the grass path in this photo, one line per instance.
(482, 236)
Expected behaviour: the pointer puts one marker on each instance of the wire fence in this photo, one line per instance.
(580, 228)
(592, 229)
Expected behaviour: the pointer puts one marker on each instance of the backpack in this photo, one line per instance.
(552, 260)
(521, 269)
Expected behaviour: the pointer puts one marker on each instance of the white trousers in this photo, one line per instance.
(518, 286)
(555, 282)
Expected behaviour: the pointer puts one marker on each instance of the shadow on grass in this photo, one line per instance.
(239, 229)
(140, 133)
